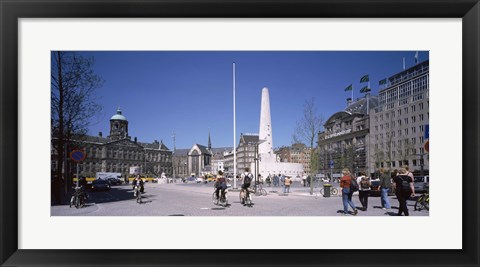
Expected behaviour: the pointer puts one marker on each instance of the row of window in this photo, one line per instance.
(127, 155)
(398, 113)
(398, 133)
(401, 163)
(398, 150)
(402, 92)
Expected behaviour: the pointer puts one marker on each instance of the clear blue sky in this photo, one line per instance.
(191, 92)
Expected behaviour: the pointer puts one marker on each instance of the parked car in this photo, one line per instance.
(421, 184)
(200, 180)
(190, 180)
(374, 188)
(100, 185)
(114, 181)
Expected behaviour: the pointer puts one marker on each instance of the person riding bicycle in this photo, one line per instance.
(247, 178)
(82, 183)
(220, 185)
(138, 181)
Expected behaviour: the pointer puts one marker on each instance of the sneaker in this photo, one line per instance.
(355, 212)
(384, 208)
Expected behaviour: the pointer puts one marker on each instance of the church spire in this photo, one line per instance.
(209, 141)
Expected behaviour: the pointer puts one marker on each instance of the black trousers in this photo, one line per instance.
(363, 196)
(402, 201)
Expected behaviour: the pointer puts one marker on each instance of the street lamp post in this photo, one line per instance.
(256, 161)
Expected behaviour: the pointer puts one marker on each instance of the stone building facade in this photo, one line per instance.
(296, 153)
(117, 152)
(400, 122)
(344, 141)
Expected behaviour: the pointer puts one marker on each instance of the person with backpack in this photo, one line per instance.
(247, 178)
(404, 189)
(364, 189)
(347, 183)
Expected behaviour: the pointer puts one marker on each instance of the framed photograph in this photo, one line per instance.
(184, 61)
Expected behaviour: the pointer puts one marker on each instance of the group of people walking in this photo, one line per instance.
(277, 180)
(402, 185)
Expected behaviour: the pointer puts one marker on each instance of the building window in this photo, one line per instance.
(420, 117)
(420, 106)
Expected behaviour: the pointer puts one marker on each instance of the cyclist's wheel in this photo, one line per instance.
(77, 202)
(248, 200)
(241, 197)
(72, 201)
(139, 197)
(214, 198)
(334, 191)
(264, 192)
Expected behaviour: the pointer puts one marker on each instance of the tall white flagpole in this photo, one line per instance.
(234, 135)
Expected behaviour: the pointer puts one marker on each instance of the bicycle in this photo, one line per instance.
(78, 198)
(422, 202)
(333, 192)
(259, 191)
(137, 193)
(246, 197)
(223, 201)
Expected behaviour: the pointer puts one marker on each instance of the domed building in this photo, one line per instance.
(118, 152)
(344, 142)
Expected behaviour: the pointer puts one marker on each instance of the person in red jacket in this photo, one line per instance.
(346, 192)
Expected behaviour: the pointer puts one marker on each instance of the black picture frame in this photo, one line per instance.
(11, 11)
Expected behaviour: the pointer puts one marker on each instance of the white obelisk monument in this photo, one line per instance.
(265, 149)
(268, 164)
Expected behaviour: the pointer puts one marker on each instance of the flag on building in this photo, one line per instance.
(364, 79)
(384, 81)
(349, 88)
(416, 58)
(365, 89)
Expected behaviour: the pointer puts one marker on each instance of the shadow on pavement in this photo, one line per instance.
(113, 195)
